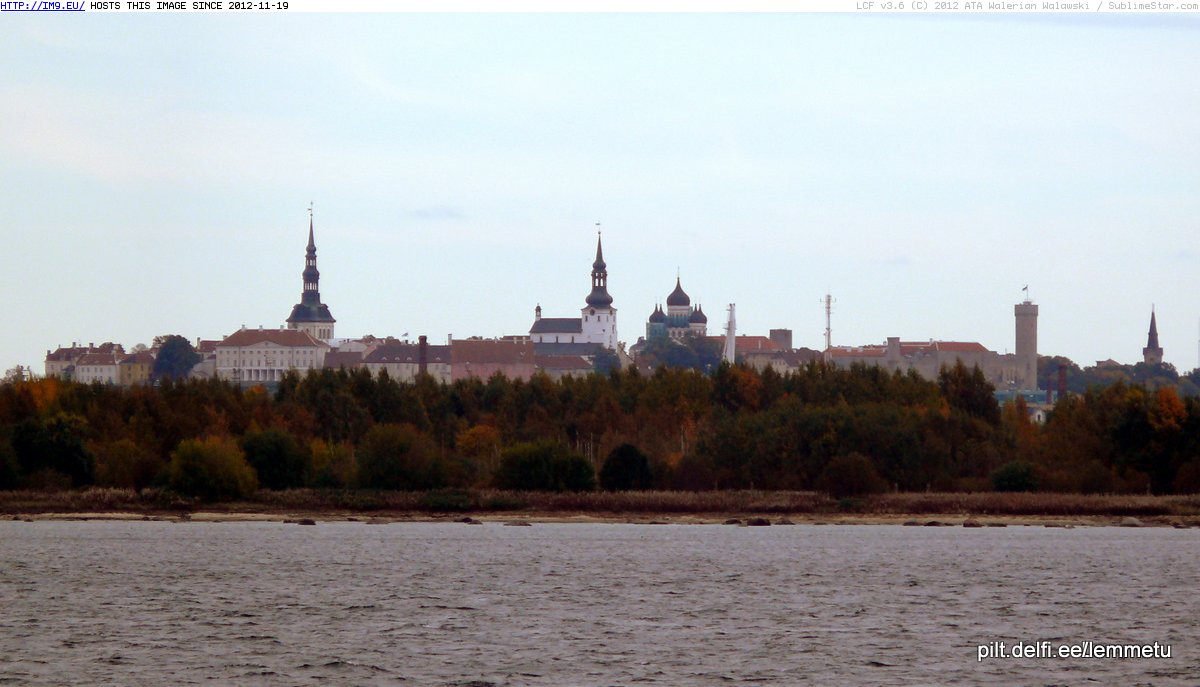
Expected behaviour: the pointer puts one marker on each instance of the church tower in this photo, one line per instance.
(1152, 354)
(310, 314)
(599, 318)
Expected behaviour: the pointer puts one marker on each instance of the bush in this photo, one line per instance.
(276, 457)
(331, 465)
(1187, 480)
(398, 457)
(850, 475)
(625, 468)
(448, 501)
(214, 469)
(1016, 475)
(10, 474)
(544, 466)
(124, 464)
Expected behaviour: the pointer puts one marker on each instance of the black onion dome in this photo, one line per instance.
(658, 315)
(599, 298)
(698, 316)
(678, 297)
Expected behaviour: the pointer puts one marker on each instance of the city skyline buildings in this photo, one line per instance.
(458, 171)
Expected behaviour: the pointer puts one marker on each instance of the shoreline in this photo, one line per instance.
(648, 507)
(545, 518)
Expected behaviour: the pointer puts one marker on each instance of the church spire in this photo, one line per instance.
(310, 313)
(312, 278)
(599, 297)
(1152, 354)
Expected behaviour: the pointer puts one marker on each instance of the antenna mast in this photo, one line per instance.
(828, 301)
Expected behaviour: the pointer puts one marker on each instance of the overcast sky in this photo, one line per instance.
(155, 174)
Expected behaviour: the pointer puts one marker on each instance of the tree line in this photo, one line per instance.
(841, 431)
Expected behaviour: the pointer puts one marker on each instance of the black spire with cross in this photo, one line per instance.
(599, 297)
(310, 309)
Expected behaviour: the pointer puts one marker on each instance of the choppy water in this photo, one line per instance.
(158, 603)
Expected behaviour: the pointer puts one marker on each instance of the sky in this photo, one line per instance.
(156, 173)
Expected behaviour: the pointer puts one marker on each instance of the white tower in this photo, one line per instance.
(598, 319)
(730, 337)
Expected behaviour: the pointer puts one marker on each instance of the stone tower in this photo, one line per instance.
(1026, 373)
(310, 314)
(1152, 354)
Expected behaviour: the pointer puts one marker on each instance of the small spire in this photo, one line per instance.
(599, 264)
(311, 244)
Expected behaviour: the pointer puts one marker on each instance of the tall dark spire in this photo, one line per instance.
(599, 297)
(312, 277)
(1153, 353)
(310, 309)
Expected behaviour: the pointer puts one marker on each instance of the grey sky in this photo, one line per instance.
(155, 170)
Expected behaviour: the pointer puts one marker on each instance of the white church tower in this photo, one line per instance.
(599, 318)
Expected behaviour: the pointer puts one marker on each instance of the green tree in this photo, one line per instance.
(213, 469)
(848, 475)
(175, 357)
(123, 463)
(1016, 475)
(277, 458)
(55, 444)
(332, 465)
(625, 468)
(10, 471)
(398, 457)
(606, 361)
(544, 466)
(690, 352)
(970, 392)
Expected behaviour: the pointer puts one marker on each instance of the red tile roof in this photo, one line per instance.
(97, 359)
(490, 351)
(562, 362)
(407, 353)
(291, 338)
(346, 359)
(139, 358)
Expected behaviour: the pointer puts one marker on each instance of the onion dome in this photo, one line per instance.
(678, 297)
(698, 316)
(658, 315)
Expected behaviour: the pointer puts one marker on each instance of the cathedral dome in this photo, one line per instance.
(678, 297)
(658, 315)
(698, 316)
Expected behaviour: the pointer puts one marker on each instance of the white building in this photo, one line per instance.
(97, 367)
(264, 355)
